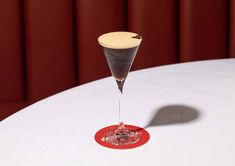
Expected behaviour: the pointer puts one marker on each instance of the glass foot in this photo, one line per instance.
(122, 137)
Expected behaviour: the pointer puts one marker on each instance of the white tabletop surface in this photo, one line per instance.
(188, 109)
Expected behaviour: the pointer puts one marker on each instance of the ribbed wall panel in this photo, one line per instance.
(61, 48)
(50, 47)
(232, 29)
(155, 21)
(11, 58)
(203, 26)
(95, 18)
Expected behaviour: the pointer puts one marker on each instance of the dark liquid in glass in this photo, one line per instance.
(120, 62)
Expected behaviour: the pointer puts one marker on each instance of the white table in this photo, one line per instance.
(188, 109)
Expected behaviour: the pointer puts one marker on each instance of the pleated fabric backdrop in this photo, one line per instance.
(47, 46)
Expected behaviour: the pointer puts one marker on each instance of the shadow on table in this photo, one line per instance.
(173, 114)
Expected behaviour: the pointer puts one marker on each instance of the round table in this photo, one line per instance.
(188, 109)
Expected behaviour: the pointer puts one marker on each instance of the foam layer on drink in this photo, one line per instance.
(119, 40)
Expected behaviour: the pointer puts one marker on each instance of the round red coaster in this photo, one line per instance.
(101, 134)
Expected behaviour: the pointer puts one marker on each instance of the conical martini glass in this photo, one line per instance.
(120, 49)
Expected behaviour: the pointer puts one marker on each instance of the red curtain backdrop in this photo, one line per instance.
(203, 29)
(47, 46)
(231, 32)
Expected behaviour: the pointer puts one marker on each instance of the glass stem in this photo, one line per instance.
(119, 109)
(120, 87)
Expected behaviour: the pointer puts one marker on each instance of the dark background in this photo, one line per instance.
(47, 46)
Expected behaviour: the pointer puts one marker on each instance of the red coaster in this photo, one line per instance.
(101, 134)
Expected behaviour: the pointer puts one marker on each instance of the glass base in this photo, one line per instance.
(122, 137)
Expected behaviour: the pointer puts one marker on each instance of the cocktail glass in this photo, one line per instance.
(120, 49)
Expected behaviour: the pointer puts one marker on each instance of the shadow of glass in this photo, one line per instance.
(173, 114)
